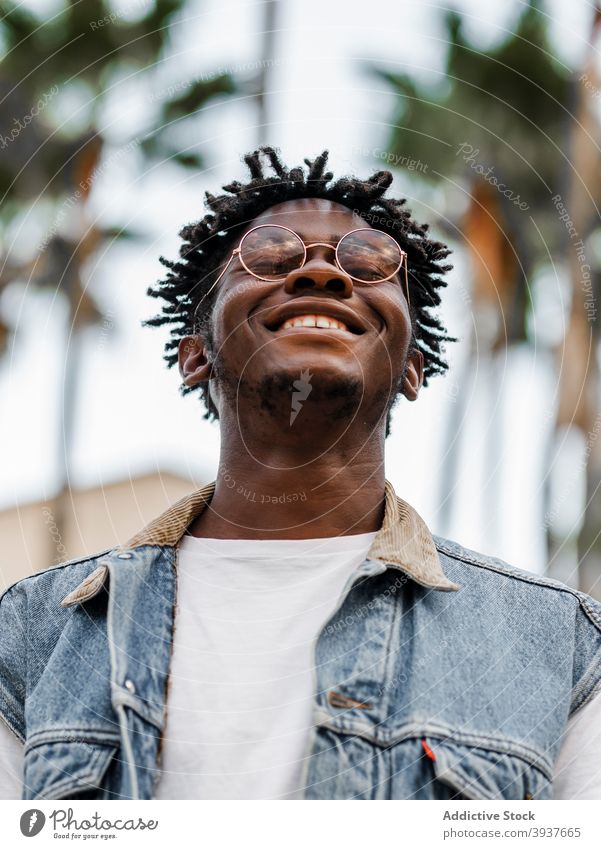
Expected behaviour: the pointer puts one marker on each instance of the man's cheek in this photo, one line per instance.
(223, 330)
(232, 342)
(397, 333)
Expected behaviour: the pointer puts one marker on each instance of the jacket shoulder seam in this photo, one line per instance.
(582, 598)
(56, 568)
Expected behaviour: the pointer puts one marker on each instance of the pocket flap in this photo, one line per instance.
(477, 773)
(66, 769)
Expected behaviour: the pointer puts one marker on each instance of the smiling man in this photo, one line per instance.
(294, 629)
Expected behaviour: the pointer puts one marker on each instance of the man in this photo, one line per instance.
(294, 630)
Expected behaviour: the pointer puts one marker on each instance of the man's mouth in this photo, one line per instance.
(314, 314)
(320, 321)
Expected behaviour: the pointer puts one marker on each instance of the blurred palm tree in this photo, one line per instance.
(57, 78)
(578, 359)
(495, 133)
(269, 41)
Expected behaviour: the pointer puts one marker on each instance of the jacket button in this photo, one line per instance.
(129, 685)
(125, 556)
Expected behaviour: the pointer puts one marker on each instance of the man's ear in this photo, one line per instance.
(414, 375)
(194, 364)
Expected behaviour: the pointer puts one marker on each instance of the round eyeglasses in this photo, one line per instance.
(271, 251)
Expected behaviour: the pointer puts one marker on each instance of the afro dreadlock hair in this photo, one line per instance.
(208, 242)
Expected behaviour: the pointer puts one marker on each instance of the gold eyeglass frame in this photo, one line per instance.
(237, 252)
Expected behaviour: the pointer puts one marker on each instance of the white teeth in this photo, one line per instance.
(314, 321)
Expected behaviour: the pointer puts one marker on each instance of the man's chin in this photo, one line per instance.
(287, 393)
(325, 394)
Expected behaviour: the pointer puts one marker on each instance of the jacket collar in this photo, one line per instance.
(404, 541)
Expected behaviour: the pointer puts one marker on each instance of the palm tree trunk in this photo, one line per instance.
(268, 43)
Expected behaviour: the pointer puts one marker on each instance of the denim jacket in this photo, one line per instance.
(442, 674)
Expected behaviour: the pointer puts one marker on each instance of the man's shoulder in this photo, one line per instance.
(55, 581)
(464, 563)
(460, 555)
(32, 621)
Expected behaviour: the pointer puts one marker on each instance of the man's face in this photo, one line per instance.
(356, 366)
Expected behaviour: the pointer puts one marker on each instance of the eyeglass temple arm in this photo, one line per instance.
(407, 280)
(235, 252)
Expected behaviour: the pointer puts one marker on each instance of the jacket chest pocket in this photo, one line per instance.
(68, 769)
(450, 770)
(350, 761)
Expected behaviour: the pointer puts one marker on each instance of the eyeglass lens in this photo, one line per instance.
(272, 252)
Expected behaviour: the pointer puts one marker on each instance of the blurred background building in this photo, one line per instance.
(93, 519)
(117, 115)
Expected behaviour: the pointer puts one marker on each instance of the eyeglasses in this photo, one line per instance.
(270, 252)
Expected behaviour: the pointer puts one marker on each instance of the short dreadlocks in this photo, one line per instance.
(207, 243)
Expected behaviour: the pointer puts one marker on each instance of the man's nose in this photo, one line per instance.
(318, 273)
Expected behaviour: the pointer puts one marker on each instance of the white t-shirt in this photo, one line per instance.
(241, 688)
(240, 697)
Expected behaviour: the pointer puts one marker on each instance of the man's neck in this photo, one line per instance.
(282, 492)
